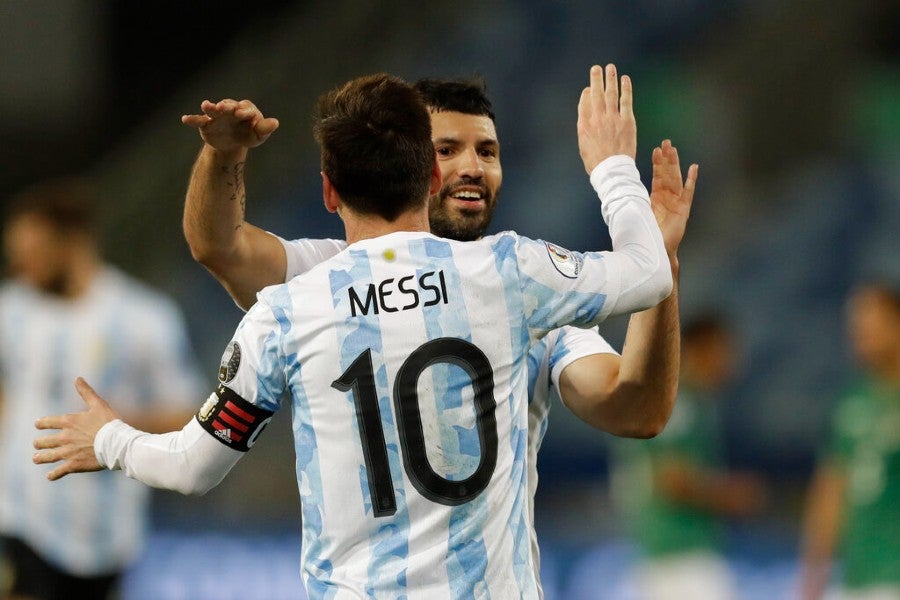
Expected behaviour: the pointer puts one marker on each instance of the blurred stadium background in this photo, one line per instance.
(791, 107)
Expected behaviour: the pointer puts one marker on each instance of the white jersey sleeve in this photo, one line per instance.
(304, 254)
(562, 287)
(187, 461)
(571, 344)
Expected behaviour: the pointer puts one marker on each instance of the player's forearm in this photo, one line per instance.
(648, 374)
(639, 253)
(214, 205)
(188, 461)
(244, 258)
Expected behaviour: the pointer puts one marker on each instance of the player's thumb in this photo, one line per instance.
(266, 127)
(88, 394)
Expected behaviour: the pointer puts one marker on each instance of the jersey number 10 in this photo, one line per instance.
(359, 379)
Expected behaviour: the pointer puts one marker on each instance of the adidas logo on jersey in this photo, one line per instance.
(224, 434)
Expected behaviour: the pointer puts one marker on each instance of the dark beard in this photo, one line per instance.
(465, 229)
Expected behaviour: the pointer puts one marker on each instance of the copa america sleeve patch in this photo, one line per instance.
(231, 360)
(232, 420)
(567, 263)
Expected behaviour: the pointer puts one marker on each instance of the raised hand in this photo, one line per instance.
(74, 443)
(671, 199)
(230, 125)
(606, 125)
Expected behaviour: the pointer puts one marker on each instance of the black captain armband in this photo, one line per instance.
(232, 420)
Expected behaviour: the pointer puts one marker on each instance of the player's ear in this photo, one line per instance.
(330, 195)
(436, 179)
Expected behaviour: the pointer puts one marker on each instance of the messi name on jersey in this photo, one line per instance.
(391, 295)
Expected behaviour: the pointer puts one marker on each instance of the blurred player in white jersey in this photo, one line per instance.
(405, 360)
(64, 313)
(631, 395)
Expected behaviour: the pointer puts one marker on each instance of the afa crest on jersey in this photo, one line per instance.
(565, 261)
(231, 360)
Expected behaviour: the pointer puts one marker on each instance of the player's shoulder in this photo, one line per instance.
(508, 236)
(328, 245)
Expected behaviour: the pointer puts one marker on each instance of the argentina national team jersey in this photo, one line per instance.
(404, 358)
(546, 361)
(131, 343)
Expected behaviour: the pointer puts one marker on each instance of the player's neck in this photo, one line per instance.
(363, 227)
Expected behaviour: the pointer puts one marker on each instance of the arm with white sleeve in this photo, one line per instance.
(638, 260)
(633, 395)
(192, 460)
(583, 289)
(607, 142)
(188, 461)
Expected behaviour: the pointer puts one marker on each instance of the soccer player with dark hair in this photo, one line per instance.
(629, 395)
(65, 312)
(404, 357)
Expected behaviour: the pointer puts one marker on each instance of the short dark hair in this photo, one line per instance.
(67, 204)
(467, 96)
(375, 135)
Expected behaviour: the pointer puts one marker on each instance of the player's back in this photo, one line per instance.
(405, 357)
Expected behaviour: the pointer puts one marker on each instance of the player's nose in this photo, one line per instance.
(470, 164)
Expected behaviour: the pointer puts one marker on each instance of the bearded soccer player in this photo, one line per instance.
(405, 359)
(630, 395)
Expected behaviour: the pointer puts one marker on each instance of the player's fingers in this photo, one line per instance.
(51, 422)
(48, 441)
(195, 121)
(612, 89)
(266, 126)
(584, 106)
(666, 147)
(673, 155)
(656, 157)
(46, 456)
(691, 180)
(211, 109)
(597, 105)
(59, 472)
(207, 105)
(626, 99)
(690, 184)
(221, 107)
(246, 111)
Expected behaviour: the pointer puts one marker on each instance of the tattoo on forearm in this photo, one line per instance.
(235, 181)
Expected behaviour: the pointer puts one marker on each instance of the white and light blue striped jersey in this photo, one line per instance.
(546, 362)
(404, 358)
(130, 343)
(546, 359)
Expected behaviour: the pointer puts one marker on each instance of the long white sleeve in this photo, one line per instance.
(189, 461)
(639, 254)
